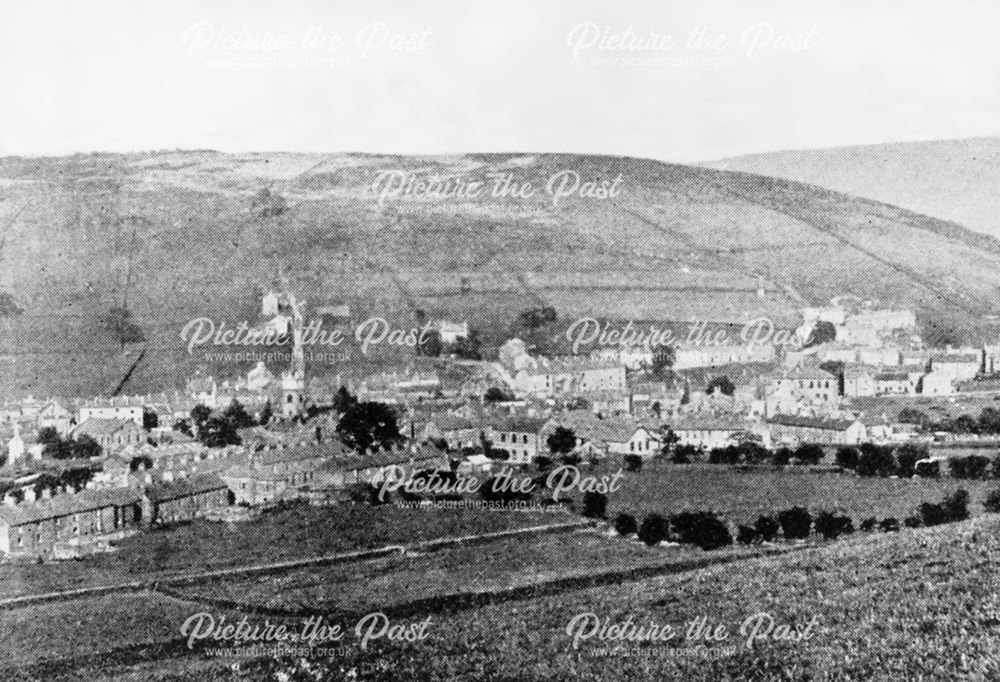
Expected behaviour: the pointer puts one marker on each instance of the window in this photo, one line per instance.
(525, 438)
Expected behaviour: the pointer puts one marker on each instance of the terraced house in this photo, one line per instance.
(70, 524)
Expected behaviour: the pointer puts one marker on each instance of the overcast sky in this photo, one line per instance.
(518, 75)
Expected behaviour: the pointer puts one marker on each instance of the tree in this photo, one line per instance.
(633, 462)
(653, 530)
(218, 432)
(183, 426)
(847, 457)
(200, 415)
(876, 460)
(795, 523)
(723, 384)
(832, 525)
(956, 505)
(369, 424)
(823, 332)
(343, 400)
(907, 456)
(625, 524)
(989, 420)
(766, 528)
(431, 346)
(670, 441)
(782, 456)
(663, 360)
(266, 413)
(495, 394)
(467, 347)
(561, 441)
(150, 420)
(685, 454)
(267, 204)
(965, 424)
(140, 462)
(991, 504)
(808, 453)
(237, 416)
(910, 415)
(594, 504)
(702, 529)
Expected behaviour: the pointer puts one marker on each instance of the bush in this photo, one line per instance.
(795, 523)
(782, 456)
(543, 463)
(889, 525)
(968, 467)
(766, 528)
(956, 506)
(633, 463)
(876, 460)
(594, 504)
(703, 529)
(653, 530)
(995, 467)
(869, 524)
(912, 522)
(992, 502)
(928, 469)
(932, 514)
(808, 453)
(625, 524)
(685, 454)
(832, 525)
(847, 457)
(745, 535)
(729, 454)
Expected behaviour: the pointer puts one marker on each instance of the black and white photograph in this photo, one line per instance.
(390, 340)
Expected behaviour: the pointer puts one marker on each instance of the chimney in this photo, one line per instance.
(29, 494)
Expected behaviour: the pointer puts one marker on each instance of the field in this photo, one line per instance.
(298, 532)
(740, 496)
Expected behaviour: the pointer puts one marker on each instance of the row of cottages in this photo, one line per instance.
(275, 474)
(120, 407)
(863, 380)
(698, 355)
(606, 436)
(792, 429)
(544, 378)
(68, 524)
(184, 499)
(708, 431)
(458, 432)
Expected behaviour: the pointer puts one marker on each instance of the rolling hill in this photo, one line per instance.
(951, 179)
(171, 236)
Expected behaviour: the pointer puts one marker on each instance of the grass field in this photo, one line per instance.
(740, 496)
(298, 532)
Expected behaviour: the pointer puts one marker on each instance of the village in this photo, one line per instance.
(81, 474)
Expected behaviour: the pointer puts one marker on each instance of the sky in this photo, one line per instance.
(442, 76)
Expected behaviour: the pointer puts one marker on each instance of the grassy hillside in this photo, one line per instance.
(172, 236)
(952, 179)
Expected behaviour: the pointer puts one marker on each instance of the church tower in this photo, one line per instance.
(293, 380)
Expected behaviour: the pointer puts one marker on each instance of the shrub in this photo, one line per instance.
(766, 528)
(847, 457)
(956, 506)
(703, 529)
(729, 454)
(543, 463)
(928, 469)
(653, 530)
(753, 453)
(932, 514)
(633, 463)
(869, 524)
(745, 535)
(995, 467)
(782, 456)
(968, 467)
(889, 525)
(625, 524)
(992, 502)
(832, 525)
(808, 453)
(795, 523)
(685, 454)
(907, 456)
(594, 504)
(912, 522)
(876, 460)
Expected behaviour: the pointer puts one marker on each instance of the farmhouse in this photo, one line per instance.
(519, 436)
(111, 434)
(787, 428)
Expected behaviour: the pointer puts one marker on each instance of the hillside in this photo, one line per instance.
(172, 236)
(951, 179)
